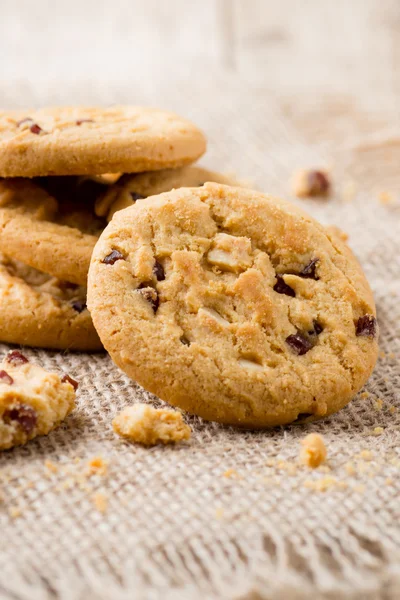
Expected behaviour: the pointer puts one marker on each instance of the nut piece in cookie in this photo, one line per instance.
(307, 183)
(147, 425)
(313, 450)
(32, 400)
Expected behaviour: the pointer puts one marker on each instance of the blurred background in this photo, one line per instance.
(286, 45)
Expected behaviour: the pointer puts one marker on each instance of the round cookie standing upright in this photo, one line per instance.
(233, 305)
(83, 140)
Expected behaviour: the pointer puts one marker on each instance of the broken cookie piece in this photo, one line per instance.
(32, 400)
(313, 450)
(147, 425)
(308, 183)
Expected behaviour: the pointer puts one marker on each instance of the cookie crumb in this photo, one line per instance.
(350, 470)
(311, 183)
(147, 425)
(377, 431)
(365, 455)
(97, 466)
(100, 501)
(392, 410)
(15, 512)
(231, 474)
(386, 198)
(313, 451)
(349, 191)
(365, 395)
(324, 484)
(378, 404)
(51, 466)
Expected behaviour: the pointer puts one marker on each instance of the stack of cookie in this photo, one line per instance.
(55, 200)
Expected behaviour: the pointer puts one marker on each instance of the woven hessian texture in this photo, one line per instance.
(231, 514)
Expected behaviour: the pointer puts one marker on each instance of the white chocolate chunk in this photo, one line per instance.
(210, 312)
(230, 253)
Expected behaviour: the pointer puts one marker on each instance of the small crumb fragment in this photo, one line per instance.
(231, 474)
(147, 425)
(100, 502)
(365, 395)
(386, 198)
(313, 451)
(97, 466)
(392, 410)
(15, 512)
(350, 470)
(378, 404)
(389, 481)
(51, 466)
(365, 455)
(349, 191)
(307, 183)
(322, 485)
(219, 513)
(377, 431)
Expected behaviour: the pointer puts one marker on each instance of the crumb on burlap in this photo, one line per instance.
(365, 395)
(386, 198)
(324, 484)
(392, 409)
(100, 502)
(311, 183)
(231, 474)
(377, 431)
(313, 450)
(147, 425)
(15, 512)
(349, 191)
(378, 404)
(97, 466)
(51, 466)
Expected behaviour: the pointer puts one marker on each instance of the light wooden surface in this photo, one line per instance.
(286, 45)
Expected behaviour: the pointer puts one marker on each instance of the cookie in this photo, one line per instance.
(82, 140)
(50, 225)
(39, 310)
(233, 305)
(130, 188)
(32, 400)
(144, 424)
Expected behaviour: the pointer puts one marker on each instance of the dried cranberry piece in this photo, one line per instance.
(309, 270)
(137, 196)
(25, 415)
(283, 288)
(6, 378)
(80, 121)
(79, 306)
(299, 343)
(67, 379)
(24, 121)
(112, 258)
(158, 271)
(15, 357)
(318, 183)
(35, 128)
(367, 326)
(150, 295)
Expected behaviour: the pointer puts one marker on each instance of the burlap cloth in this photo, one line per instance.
(231, 514)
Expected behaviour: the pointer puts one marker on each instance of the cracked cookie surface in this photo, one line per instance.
(84, 140)
(32, 400)
(233, 305)
(42, 311)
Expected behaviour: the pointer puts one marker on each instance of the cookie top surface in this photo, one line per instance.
(41, 311)
(84, 140)
(50, 224)
(32, 400)
(233, 305)
(131, 188)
